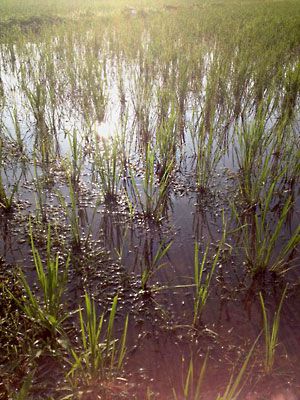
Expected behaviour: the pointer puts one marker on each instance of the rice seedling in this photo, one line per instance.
(208, 155)
(37, 98)
(202, 285)
(291, 91)
(100, 357)
(152, 199)
(2, 94)
(192, 384)
(76, 158)
(165, 149)
(108, 168)
(254, 155)
(142, 91)
(15, 332)
(17, 129)
(48, 313)
(260, 236)
(94, 76)
(120, 242)
(271, 330)
(192, 388)
(6, 199)
(202, 279)
(23, 393)
(72, 213)
(40, 195)
(237, 381)
(150, 266)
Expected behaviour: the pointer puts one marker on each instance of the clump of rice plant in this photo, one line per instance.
(152, 198)
(237, 381)
(6, 199)
(202, 283)
(107, 166)
(254, 157)
(166, 139)
(102, 355)
(46, 311)
(23, 393)
(17, 138)
(208, 153)
(202, 279)
(71, 211)
(271, 330)
(40, 194)
(260, 236)
(153, 266)
(76, 158)
(192, 382)
(37, 96)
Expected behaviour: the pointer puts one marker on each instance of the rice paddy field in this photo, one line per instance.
(149, 199)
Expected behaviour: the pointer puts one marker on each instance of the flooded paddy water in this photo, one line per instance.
(150, 164)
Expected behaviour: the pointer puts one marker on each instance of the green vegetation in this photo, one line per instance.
(152, 198)
(108, 169)
(97, 360)
(192, 386)
(271, 333)
(149, 266)
(128, 132)
(201, 284)
(47, 312)
(6, 198)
